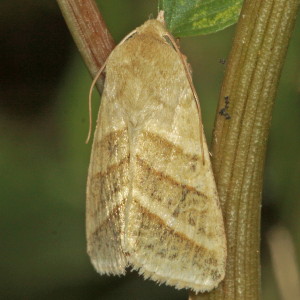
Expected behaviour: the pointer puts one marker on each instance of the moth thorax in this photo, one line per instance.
(152, 27)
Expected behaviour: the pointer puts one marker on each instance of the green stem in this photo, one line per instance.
(239, 144)
(89, 32)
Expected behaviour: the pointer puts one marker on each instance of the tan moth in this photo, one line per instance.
(152, 202)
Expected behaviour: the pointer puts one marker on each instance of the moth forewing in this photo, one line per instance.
(107, 190)
(152, 201)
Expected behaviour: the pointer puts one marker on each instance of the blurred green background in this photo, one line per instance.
(44, 160)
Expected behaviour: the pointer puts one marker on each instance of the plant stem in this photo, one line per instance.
(239, 143)
(89, 32)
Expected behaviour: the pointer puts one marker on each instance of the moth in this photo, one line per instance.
(152, 202)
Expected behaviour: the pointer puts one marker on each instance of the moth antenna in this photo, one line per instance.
(90, 101)
(129, 35)
(94, 83)
(188, 74)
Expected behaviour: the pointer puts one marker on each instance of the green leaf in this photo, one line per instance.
(196, 17)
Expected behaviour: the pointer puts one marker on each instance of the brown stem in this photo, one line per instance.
(89, 32)
(239, 143)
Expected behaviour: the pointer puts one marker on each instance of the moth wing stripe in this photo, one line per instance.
(115, 211)
(163, 217)
(99, 211)
(158, 137)
(113, 135)
(112, 168)
(168, 178)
